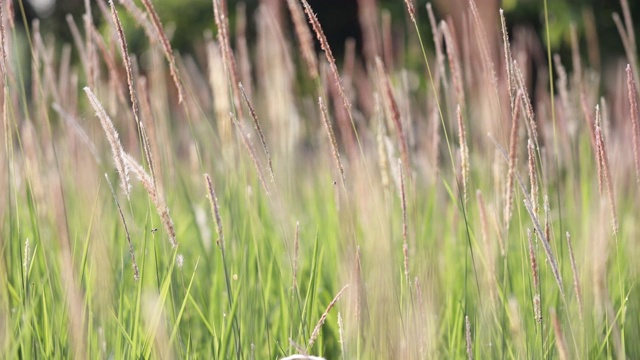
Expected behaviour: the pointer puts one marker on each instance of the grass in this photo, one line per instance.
(350, 231)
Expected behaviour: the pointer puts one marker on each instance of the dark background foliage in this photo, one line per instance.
(190, 19)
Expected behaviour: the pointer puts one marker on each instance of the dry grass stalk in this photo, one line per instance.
(92, 65)
(3, 53)
(242, 47)
(393, 111)
(439, 75)
(563, 86)
(387, 39)
(332, 138)
(5, 87)
(599, 166)
(305, 39)
(403, 202)
(533, 262)
(166, 47)
(526, 101)
(605, 172)
(296, 244)
(104, 11)
(361, 296)
(589, 121)
(114, 141)
(623, 33)
(156, 197)
(316, 330)
(134, 265)
(114, 76)
(341, 335)
(156, 130)
(563, 89)
(576, 59)
(435, 123)
(342, 118)
(543, 235)
(464, 153)
(2, 47)
(419, 298)
(27, 252)
(408, 118)
(77, 41)
(591, 36)
(132, 92)
(412, 10)
(44, 52)
(349, 63)
(72, 90)
(507, 58)
(537, 312)
(324, 44)
(252, 152)
(544, 239)
(627, 34)
(483, 44)
(547, 217)
(633, 109)
(466, 51)
(276, 71)
(228, 60)
(576, 279)
(533, 177)
(513, 145)
(8, 139)
(256, 125)
(447, 30)
(219, 88)
(122, 41)
(497, 170)
(38, 85)
(383, 162)
(215, 210)
(605, 122)
(368, 16)
(626, 14)
(141, 18)
(467, 337)
(561, 344)
(35, 59)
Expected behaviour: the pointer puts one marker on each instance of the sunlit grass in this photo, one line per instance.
(430, 256)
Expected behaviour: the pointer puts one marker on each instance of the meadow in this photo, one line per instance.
(457, 193)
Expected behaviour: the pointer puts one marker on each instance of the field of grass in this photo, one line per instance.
(433, 197)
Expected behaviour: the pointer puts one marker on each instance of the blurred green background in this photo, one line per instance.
(339, 18)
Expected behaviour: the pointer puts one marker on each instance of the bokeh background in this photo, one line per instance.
(188, 20)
